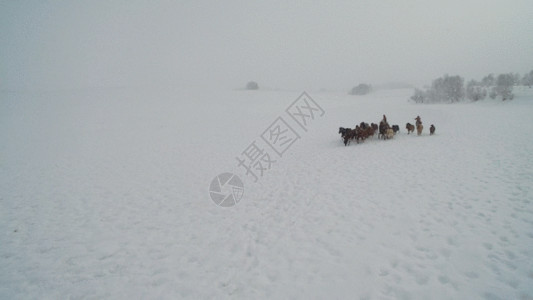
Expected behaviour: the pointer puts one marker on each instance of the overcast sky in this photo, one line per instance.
(280, 44)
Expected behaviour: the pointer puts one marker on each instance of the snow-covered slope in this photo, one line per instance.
(104, 194)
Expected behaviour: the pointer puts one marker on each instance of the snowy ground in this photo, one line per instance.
(104, 194)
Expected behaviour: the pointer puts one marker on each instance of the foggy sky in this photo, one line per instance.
(296, 45)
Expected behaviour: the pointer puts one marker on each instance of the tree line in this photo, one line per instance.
(452, 89)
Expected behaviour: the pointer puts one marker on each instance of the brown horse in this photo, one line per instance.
(365, 133)
(375, 126)
(410, 127)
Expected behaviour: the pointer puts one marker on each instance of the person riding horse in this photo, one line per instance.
(418, 120)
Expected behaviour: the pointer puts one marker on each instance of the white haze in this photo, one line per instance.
(296, 45)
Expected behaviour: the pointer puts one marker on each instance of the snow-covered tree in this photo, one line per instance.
(447, 89)
(527, 80)
(516, 79)
(488, 80)
(504, 86)
(443, 89)
(475, 91)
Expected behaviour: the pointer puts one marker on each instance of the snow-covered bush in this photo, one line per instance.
(252, 85)
(361, 89)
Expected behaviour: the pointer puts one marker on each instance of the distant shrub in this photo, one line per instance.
(419, 96)
(252, 85)
(361, 89)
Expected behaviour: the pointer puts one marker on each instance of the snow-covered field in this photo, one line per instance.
(104, 194)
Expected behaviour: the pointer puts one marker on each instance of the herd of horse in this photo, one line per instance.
(364, 130)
